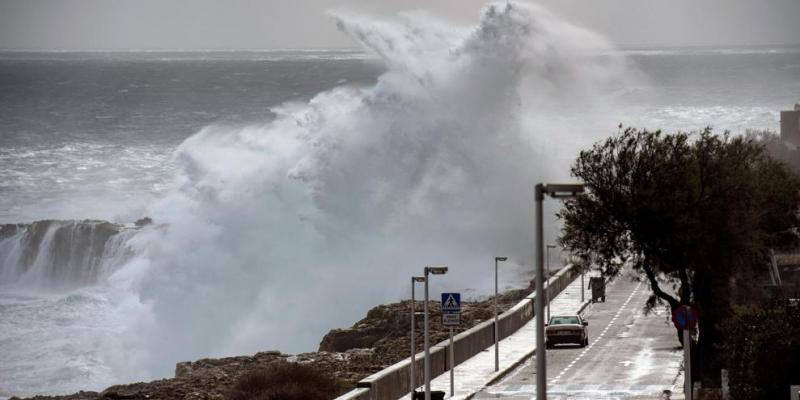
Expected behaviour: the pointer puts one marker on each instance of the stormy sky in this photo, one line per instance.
(269, 24)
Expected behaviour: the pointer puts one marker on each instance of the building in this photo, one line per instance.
(790, 126)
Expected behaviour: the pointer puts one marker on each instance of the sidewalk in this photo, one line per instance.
(478, 372)
(677, 387)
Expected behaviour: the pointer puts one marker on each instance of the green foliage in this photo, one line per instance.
(763, 350)
(695, 214)
(677, 204)
(284, 381)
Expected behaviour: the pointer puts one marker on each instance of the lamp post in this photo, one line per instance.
(435, 270)
(413, 372)
(556, 191)
(583, 287)
(496, 328)
(575, 260)
(549, 246)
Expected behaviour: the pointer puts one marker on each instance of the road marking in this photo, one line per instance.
(591, 391)
(602, 334)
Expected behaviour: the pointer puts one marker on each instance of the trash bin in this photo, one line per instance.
(435, 395)
(598, 286)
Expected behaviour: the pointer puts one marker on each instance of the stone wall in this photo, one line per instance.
(393, 382)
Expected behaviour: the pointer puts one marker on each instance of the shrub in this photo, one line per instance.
(284, 381)
(763, 352)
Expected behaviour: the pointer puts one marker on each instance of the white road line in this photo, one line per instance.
(595, 341)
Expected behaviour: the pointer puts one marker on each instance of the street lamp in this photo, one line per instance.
(556, 191)
(435, 270)
(496, 329)
(549, 246)
(575, 260)
(414, 279)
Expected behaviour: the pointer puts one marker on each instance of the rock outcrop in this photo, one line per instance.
(61, 254)
(348, 355)
(387, 328)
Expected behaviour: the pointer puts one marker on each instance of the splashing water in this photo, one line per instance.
(275, 233)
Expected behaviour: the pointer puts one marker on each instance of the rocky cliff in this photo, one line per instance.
(349, 355)
(57, 254)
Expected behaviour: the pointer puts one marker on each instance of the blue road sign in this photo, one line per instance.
(451, 309)
(451, 302)
(684, 317)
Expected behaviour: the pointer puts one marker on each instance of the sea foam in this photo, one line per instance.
(274, 233)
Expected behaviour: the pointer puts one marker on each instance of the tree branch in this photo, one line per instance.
(651, 276)
(686, 290)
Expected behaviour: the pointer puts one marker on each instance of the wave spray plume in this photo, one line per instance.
(276, 233)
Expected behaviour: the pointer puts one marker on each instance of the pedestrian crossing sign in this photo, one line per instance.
(451, 302)
(451, 309)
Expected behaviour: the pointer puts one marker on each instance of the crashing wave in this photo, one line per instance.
(274, 233)
(54, 254)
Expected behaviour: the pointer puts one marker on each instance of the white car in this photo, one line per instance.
(566, 329)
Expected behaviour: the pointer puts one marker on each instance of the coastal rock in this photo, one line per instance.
(371, 344)
(67, 254)
(8, 230)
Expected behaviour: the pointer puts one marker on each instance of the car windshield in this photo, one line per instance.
(564, 320)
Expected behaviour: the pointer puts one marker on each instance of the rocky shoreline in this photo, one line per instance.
(349, 355)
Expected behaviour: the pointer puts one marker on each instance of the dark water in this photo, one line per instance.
(735, 78)
(76, 127)
(91, 135)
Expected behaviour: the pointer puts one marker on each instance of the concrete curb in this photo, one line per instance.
(679, 394)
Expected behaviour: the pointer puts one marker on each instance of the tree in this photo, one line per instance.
(694, 214)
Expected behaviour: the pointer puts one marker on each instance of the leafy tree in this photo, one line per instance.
(694, 214)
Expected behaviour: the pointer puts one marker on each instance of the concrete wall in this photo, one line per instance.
(392, 382)
(790, 126)
(356, 394)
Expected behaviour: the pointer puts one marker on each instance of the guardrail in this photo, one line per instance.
(393, 382)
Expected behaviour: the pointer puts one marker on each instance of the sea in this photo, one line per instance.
(76, 127)
(291, 190)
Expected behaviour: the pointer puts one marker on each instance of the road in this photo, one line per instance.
(630, 355)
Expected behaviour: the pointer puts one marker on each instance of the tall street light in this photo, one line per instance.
(435, 270)
(549, 246)
(556, 191)
(413, 372)
(496, 329)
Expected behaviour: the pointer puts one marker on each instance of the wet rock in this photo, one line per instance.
(348, 355)
(8, 230)
(143, 222)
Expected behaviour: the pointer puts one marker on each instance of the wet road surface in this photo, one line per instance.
(630, 355)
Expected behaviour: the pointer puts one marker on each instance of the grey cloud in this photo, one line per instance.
(252, 24)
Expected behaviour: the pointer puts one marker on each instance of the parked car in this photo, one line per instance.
(563, 329)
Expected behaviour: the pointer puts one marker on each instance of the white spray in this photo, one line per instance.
(276, 233)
